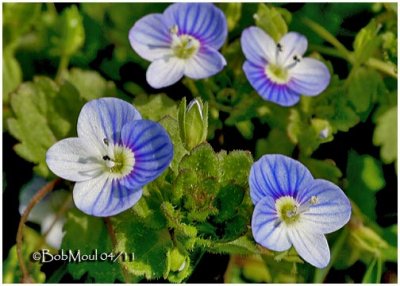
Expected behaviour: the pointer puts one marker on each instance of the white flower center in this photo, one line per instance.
(119, 160)
(277, 71)
(183, 46)
(289, 210)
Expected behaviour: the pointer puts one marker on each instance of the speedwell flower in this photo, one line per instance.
(184, 40)
(277, 71)
(293, 208)
(115, 154)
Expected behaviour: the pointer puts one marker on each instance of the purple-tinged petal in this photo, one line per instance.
(150, 37)
(331, 211)
(258, 47)
(207, 62)
(73, 159)
(292, 44)
(104, 196)
(152, 149)
(165, 72)
(268, 90)
(276, 176)
(266, 228)
(309, 77)
(203, 21)
(312, 247)
(102, 119)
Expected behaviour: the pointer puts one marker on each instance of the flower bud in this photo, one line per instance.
(193, 122)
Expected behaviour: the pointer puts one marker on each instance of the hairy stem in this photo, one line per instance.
(26, 278)
(113, 238)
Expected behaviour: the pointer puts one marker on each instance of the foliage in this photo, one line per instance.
(57, 57)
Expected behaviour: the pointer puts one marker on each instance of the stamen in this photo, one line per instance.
(296, 60)
(307, 205)
(106, 158)
(174, 30)
(105, 140)
(278, 50)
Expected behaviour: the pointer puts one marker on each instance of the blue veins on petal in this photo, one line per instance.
(294, 209)
(115, 154)
(278, 71)
(183, 41)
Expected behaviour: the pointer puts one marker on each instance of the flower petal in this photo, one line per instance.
(309, 77)
(152, 149)
(53, 226)
(74, 160)
(103, 196)
(268, 90)
(276, 176)
(203, 21)
(102, 119)
(312, 247)
(332, 210)
(150, 37)
(258, 47)
(266, 228)
(207, 62)
(165, 72)
(292, 44)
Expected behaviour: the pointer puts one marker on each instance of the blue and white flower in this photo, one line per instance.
(278, 71)
(184, 40)
(115, 154)
(293, 208)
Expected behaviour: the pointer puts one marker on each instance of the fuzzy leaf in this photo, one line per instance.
(155, 107)
(88, 233)
(42, 114)
(149, 246)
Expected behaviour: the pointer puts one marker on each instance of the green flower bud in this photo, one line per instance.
(193, 122)
(177, 260)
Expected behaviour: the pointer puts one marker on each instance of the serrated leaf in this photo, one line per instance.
(271, 21)
(87, 234)
(90, 84)
(155, 107)
(43, 113)
(149, 246)
(365, 177)
(11, 270)
(235, 167)
(70, 34)
(385, 135)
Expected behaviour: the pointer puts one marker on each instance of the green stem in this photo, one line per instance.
(383, 67)
(326, 35)
(320, 274)
(62, 67)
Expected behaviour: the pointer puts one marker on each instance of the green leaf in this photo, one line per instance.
(70, 34)
(11, 270)
(86, 234)
(150, 246)
(155, 107)
(276, 142)
(12, 73)
(235, 167)
(323, 169)
(43, 113)
(201, 160)
(171, 125)
(271, 21)
(17, 20)
(385, 135)
(244, 245)
(90, 84)
(365, 177)
(233, 12)
(366, 42)
(364, 86)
